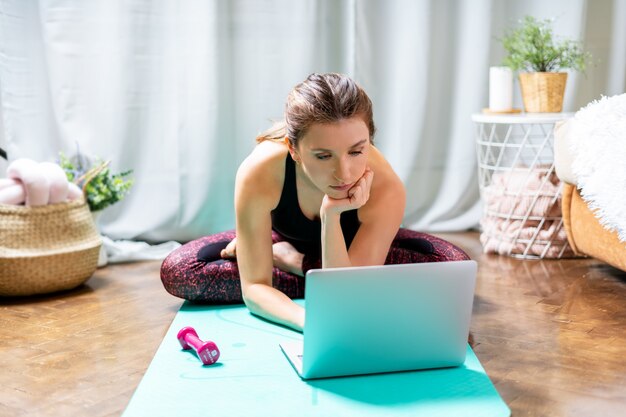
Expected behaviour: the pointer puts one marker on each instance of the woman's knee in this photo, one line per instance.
(411, 247)
(176, 276)
(190, 271)
(207, 282)
(447, 251)
(174, 264)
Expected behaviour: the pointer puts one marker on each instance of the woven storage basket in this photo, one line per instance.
(46, 249)
(542, 92)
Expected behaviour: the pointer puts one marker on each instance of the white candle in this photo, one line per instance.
(500, 89)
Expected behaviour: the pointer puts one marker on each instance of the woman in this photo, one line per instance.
(315, 192)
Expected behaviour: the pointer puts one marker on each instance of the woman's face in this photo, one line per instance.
(334, 155)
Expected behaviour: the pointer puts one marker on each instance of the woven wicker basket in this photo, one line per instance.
(542, 92)
(46, 249)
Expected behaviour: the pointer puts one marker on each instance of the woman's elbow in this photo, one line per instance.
(248, 296)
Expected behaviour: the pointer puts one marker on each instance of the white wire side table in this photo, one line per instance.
(519, 189)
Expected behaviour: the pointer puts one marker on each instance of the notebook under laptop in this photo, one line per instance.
(365, 320)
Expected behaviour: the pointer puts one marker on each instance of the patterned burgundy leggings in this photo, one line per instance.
(196, 272)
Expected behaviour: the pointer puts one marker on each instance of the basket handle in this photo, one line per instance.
(88, 176)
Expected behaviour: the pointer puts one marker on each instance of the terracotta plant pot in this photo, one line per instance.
(542, 92)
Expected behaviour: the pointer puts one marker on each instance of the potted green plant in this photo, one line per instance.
(533, 50)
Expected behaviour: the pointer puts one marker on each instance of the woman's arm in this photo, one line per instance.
(334, 252)
(255, 197)
(380, 222)
(381, 204)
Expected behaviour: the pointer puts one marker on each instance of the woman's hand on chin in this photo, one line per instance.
(356, 198)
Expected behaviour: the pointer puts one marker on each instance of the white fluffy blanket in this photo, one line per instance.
(598, 146)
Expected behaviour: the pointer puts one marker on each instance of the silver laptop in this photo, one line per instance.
(374, 319)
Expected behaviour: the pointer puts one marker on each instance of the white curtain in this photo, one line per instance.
(177, 90)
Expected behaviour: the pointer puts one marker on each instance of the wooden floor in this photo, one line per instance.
(551, 335)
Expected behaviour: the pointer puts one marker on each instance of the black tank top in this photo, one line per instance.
(289, 221)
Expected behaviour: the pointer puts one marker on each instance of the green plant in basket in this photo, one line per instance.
(532, 48)
(102, 188)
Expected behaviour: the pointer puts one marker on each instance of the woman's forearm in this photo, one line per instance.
(334, 251)
(273, 305)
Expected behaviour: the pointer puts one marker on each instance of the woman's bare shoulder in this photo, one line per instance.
(262, 173)
(387, 191)
(384, 174)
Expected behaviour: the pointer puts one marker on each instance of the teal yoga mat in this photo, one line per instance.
(254, 378)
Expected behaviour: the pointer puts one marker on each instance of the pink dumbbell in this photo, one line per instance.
(207, 351)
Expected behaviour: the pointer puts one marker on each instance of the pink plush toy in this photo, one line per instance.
(58, 186)
(36, 184)
(11, 191)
